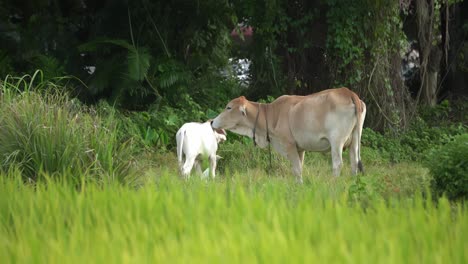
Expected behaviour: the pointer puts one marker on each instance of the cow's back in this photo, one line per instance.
(318, 118)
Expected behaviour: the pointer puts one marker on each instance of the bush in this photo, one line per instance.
(414, 143)
(421, 137)
(448, 165)
(49, 134)
(389, 147)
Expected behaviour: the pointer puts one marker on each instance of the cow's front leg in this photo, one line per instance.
(213, 166)
(296, 157)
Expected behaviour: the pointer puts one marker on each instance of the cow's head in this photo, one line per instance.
(233, 115)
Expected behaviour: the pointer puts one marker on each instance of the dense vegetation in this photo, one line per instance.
(92, 94)
(158, 56)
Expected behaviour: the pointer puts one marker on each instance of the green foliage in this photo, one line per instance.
(388, 147)
(449, 167)
(365, 191)
(432, 129)
(155, 129)
(138, 59)
(50, 66)
(359, 36)
(446, 113)
(158, 49)
(346, 38)
(421, 137)
(122, 79)
(172, 79)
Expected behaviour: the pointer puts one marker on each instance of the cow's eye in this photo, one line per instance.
(228, 108)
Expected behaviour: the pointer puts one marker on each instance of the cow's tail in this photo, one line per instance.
(180, 145)
(360, 116)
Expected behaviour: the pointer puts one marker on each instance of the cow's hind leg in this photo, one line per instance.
(337, 157)
(301, 157)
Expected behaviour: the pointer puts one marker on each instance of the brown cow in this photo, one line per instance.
(328, 120)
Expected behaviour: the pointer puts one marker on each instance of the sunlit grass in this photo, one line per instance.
(237, 218)
(72, 190)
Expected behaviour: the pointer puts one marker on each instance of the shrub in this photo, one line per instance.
(412, 144)
(421, 137)
(448, 165)
(52, 134)
(390, 147)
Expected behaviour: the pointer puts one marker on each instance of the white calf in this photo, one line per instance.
(195, 141)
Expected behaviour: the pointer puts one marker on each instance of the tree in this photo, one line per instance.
(428, 18)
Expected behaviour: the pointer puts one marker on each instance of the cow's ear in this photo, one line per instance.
(243, 111)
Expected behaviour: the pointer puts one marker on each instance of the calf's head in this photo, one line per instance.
(220, 135)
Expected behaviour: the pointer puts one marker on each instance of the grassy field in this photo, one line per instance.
(77, 186)
(236, 218)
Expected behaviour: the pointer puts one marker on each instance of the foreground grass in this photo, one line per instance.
(233, 219)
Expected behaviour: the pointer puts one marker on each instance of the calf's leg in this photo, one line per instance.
(188, 165)
(198, 167)
(213, 165)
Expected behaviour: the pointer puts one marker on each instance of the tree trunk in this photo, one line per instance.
(430, 53)
(430, 87)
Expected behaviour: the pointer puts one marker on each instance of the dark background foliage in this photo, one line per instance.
(181, 55)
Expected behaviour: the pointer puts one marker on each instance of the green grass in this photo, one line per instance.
(75, 188)
(49, 132)
(234, 219)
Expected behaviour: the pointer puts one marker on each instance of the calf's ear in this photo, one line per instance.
(221, 131)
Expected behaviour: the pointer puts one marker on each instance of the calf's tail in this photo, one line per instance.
(180, 145)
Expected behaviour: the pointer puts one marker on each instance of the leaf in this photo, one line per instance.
(138, 63)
